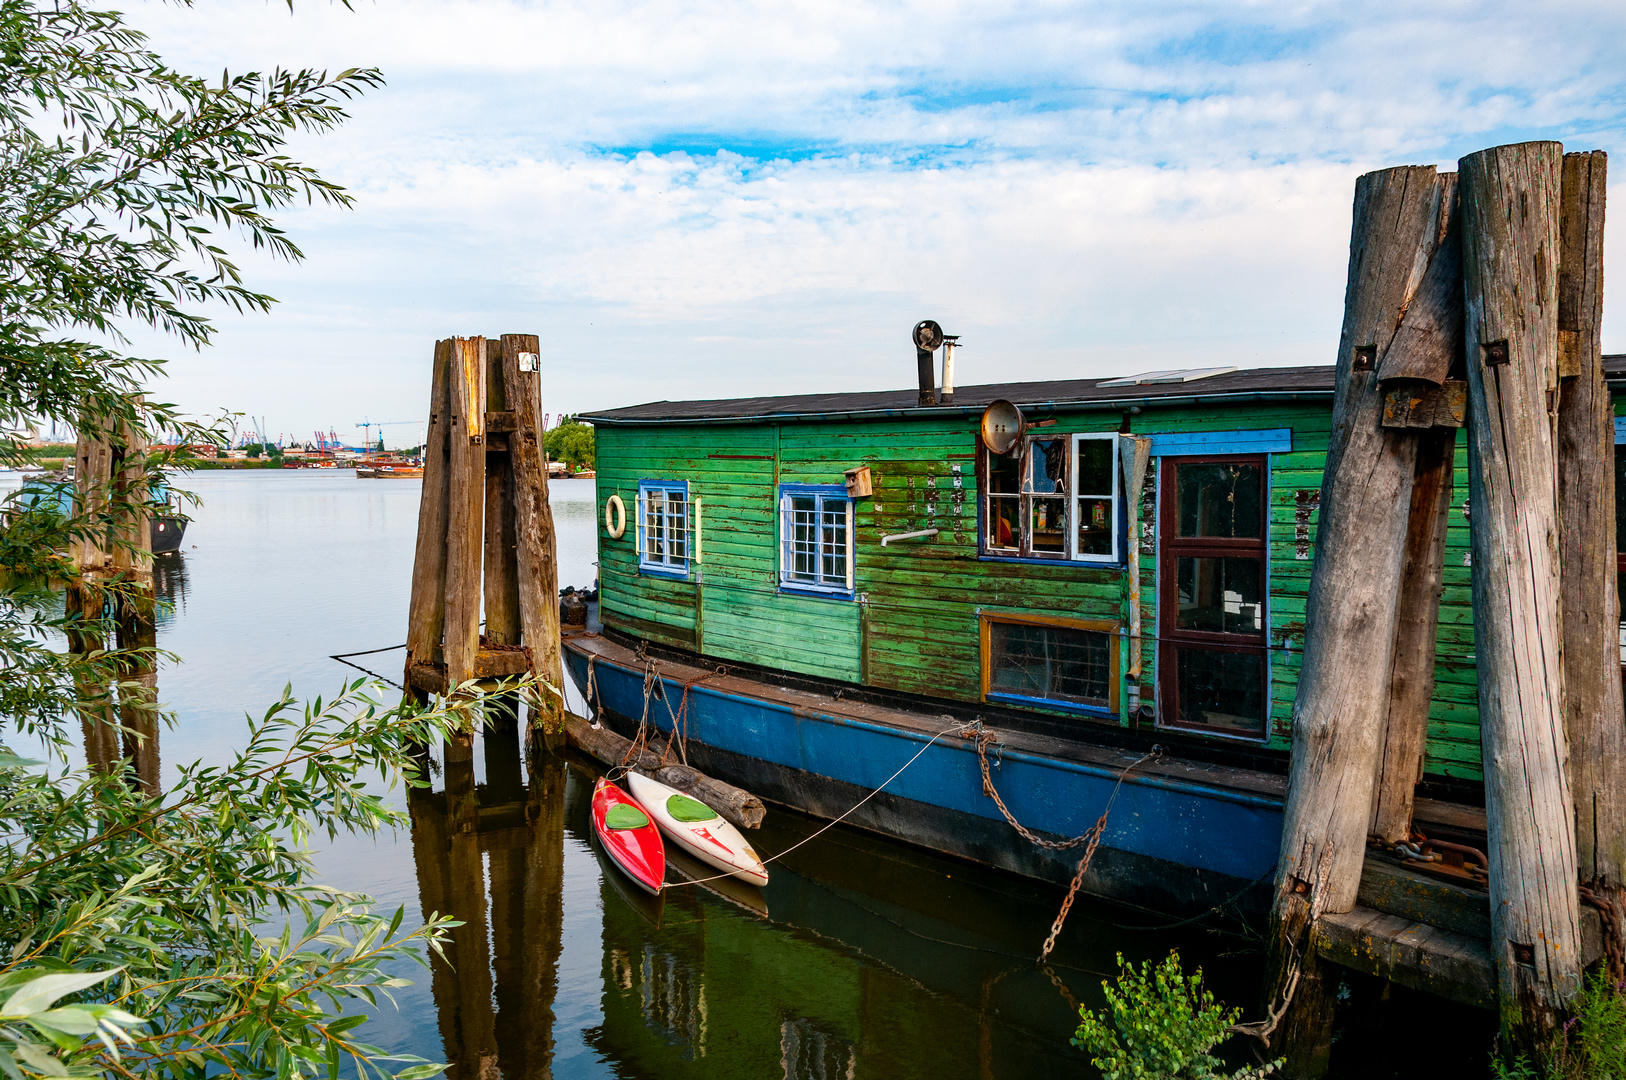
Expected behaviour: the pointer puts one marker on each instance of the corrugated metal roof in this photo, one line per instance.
(1285, 383)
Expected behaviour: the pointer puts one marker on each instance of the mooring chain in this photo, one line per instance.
(1091, 838)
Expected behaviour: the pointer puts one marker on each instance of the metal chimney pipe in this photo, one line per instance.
(928, 376)
(948, 373)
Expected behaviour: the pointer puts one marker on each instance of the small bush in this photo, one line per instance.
(1591, 1046)
(1159, 1023)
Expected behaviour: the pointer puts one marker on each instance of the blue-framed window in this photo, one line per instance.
(815, 539)
(1054, 497)
(664, 535)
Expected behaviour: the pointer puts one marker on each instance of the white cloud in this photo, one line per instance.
(1076, 188)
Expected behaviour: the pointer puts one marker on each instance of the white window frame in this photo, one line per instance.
(1074, 495)
(664, 563)
(835, 585)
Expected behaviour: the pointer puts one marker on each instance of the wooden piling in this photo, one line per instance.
(426, 620)
(1417, 621)
(465, 538)
(1511, 250)
(538, 576)
(1343, 692)
(1594, 716)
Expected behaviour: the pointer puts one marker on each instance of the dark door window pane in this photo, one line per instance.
(1223, 690)
(1219, 596)
(1057, 662)
(1220, 499)
(1620, 495)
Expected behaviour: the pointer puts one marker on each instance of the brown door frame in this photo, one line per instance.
(1170, 548)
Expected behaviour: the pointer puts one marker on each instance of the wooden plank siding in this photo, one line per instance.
(913, 626)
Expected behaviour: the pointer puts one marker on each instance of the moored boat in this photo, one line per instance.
(629, 837)
(698, 829)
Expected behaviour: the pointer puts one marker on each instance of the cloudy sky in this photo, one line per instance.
(715, 198)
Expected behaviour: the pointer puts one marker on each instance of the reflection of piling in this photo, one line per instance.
(485, 507)
(494, 993)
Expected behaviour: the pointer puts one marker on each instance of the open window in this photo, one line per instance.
(1211, 668)
(816, 539)
(1065, 664)
(663, 527)
(1053, 497)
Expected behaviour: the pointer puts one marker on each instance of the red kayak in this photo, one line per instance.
(629, 836)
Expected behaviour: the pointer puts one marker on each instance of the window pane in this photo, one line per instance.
(1095, 526)
(1220, 499)
(1222, 690)
(677, 527)
(1049, 525)
(1005, 521)
(833, 556)
(1005, 473)
(654, 534)
(1057, 662)
(1620, 583)
(1095, 466)
(1045, 473)
(1222, 596)
(802, 563)
(1620, 496)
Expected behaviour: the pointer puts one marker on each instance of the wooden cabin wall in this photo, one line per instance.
(915, 628)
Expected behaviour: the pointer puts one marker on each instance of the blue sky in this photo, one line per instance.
(717, 198)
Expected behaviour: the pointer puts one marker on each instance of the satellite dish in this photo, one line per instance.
(928, 336)
(1002, 426)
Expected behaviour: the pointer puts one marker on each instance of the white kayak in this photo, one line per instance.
(698, 830)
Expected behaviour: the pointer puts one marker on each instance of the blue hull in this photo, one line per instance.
(1170, 844)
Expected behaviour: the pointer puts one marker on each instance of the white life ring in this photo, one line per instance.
(615, 517)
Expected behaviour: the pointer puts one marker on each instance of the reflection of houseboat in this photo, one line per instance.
(859, 620)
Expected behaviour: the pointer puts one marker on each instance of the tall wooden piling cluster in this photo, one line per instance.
(485, 529)
(113, 599)
(1473, 300)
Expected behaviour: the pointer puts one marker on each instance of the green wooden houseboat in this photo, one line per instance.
(823, 587)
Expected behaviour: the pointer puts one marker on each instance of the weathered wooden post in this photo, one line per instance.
(1423, 389)
(1511, 253)
(485, 507)
(538, 571)
(1594, 717)
(426, 617)
(1343, 693)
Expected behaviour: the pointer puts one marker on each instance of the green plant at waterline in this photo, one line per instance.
(1591, 1046)
(1159, 1024)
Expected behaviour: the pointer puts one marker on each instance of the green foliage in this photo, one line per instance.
(572, 443)
(1159, 1024)
(1590, 1046)
(180, 933)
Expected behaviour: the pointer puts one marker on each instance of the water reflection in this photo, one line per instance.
(495, 991)
(169, 580)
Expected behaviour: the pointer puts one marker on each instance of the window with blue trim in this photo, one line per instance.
(1057, 663)
(1054, 497)
(663, 527)
(815, 538)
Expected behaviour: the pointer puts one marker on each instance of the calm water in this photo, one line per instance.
(862, 958)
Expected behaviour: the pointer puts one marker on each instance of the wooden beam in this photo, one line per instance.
(1343, 690)
(1417, 620)
(466, 475)
(534, 536)
(426, 619)
(1594, 714)
(1510, 205)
